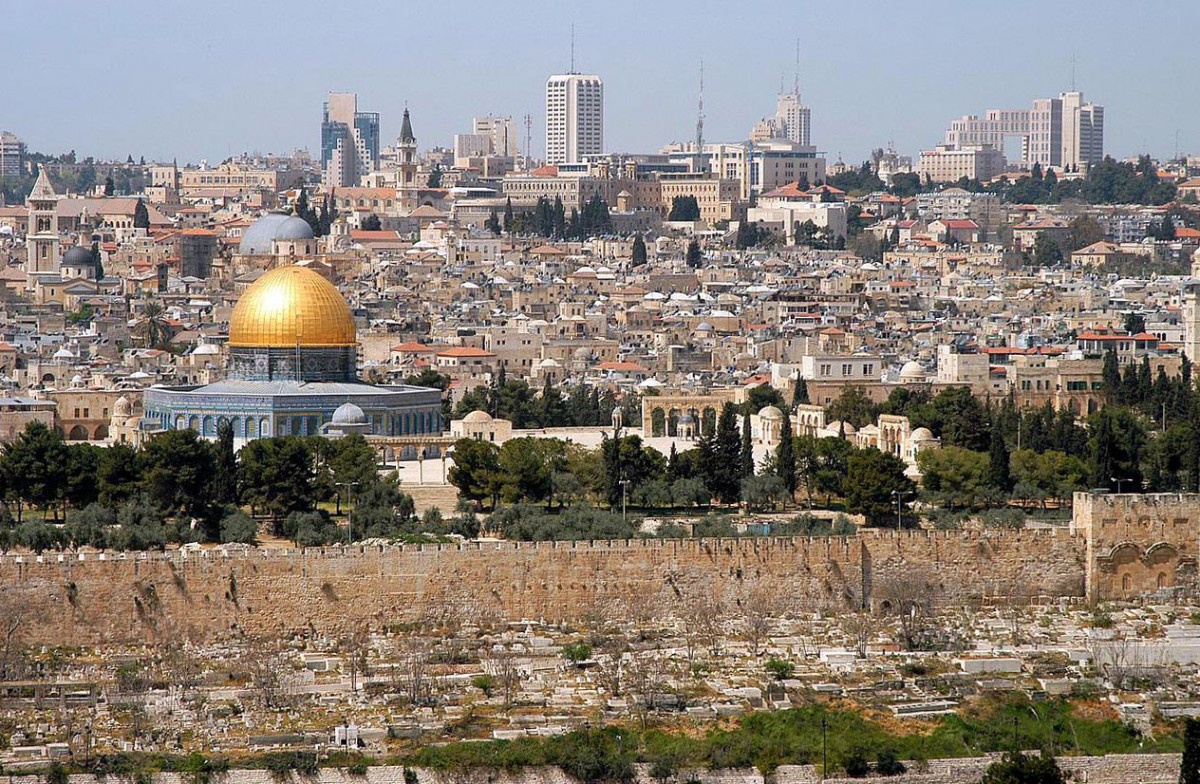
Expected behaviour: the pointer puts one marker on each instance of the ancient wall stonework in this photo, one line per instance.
(1116, 546)
(148, 597)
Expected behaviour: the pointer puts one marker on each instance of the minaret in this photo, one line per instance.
(42, 238)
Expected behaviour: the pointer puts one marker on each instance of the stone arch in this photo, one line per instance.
(77, 433)
(708, 421)
(673, 422)
(658, 423)
(100, 433)
(251, 427)
(180, 422)
(209, 426)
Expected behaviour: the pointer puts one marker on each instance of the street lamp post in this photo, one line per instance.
(1119, 482)
(624, 509)
(897, 495)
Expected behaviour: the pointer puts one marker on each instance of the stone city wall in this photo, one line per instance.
(1113, 769)
(146, 597)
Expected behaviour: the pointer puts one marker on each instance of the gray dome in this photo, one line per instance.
(294, 228)
(349, 414)
(78, 256)
(258, 236)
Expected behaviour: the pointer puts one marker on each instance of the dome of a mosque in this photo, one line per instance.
(291, 307)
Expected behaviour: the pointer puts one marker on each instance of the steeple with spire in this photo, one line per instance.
(407, 149)
(42, 259)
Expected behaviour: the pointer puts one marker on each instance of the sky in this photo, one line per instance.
(206, 80)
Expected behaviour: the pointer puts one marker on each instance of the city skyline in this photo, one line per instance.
(192, 109)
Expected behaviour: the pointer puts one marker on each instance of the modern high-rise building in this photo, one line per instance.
(489, 136)
(793, 118)
(349, 141)
(574, 117)
(1060, 132)
(12, 155)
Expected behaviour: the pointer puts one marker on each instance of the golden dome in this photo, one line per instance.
(291, 306)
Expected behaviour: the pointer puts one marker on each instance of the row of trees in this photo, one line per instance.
(516, 401)
(550, 219)
(178, 487)
(319, 219)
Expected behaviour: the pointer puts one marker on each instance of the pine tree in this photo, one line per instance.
(785, 456)
(638, 257)
(725, 471)
(492, 224)
(694, 257)
(509, 217)
(109, 186)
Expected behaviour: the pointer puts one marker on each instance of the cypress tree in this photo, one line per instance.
(999, 471)
(141, 216)
(746, 453)
(785, 456)
(800, 396)
(508, 215)
(638, 257)
(224, 486)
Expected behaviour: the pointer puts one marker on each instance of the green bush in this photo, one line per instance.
(781, 670)
(237, 526)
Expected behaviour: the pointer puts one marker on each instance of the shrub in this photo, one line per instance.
(485, 683)
(781, 670)
(855, 764)
(577, 653)
(237, 526)
(886, 764)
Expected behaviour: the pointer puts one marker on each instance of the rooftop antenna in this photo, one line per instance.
(796, 82)
(528, 140)
(572, 48)
(1072, 72)
(700, 114)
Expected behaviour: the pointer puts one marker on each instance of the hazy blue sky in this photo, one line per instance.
(209, 79)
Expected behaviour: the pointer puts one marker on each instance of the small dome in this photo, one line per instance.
(912, 371)
(583, 352)
(122, 407)
(64, 353)
(349, 414)
(77, 381)
(770, 412)
(922, 434)
(78, 256)
(477, 418)
(704, 326)
(687, 419)
(842, 427)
